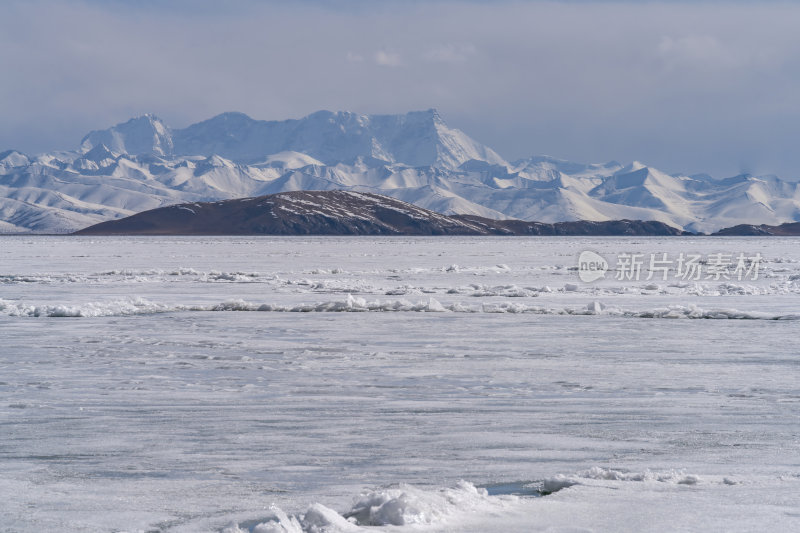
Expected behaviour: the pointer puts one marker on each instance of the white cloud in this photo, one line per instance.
(450, 53)
(354, 58)
(698, 51)
(388, 59)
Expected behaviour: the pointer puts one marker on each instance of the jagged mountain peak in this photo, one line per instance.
(544, 167)
(233, 115)
(430, 114)
(633, 166)
(143, 135)
(228, 119)
(416, 139)
(13, 159)
(288, 160)
(99, 154)
(8, 153)
(359, 124)
(638, 174)
(218, 161)
(98, 158)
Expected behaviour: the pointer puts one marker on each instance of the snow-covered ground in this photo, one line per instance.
(395, 384)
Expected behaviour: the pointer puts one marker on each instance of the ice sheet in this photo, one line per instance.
(143, 396)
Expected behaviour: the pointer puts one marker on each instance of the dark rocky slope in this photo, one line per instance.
(343, 213)
(787, 230)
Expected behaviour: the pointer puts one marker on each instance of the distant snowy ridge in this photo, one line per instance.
(143, 164)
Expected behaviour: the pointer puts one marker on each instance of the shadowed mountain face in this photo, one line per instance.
(414, 157)
(342, 213)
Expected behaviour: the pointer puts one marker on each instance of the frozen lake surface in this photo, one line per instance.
(395, 384)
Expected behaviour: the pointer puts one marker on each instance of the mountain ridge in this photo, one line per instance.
(343, 213)
(789, 229)
(143, 164)
(240, 138)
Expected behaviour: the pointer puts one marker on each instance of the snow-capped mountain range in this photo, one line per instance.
(144, 164)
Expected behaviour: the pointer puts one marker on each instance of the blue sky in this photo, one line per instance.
(683, 86)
